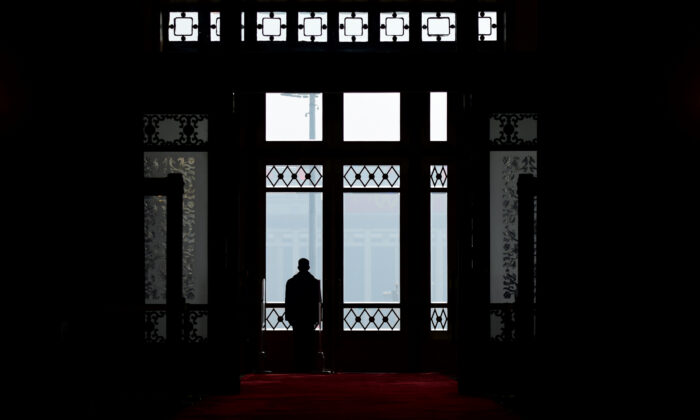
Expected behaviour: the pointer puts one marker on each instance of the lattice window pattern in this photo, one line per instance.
(438, 319)
(439, 26)
(371, 176)
(313, 26)
(438, 176)
(488, 26)
(274, 320)
(272, 26)
(372, 319)
(183, 26)
(215, 26)
(513, 129)
(353, 26)
(294, 176)
(394, 27)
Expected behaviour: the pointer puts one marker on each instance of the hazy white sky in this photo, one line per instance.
(366, 116)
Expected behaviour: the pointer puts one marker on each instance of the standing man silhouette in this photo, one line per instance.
(301, 308)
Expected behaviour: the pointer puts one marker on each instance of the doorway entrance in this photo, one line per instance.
(371, 219)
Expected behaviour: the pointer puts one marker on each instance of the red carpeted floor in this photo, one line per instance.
(356, 396)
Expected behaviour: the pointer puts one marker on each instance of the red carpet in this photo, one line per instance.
(356, 396)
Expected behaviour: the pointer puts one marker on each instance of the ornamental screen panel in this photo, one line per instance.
(293, 116)
(505, 167)
(155, 233)
(195, 269)
(372, 116)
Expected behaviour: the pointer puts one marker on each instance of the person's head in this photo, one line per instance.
(303, 264)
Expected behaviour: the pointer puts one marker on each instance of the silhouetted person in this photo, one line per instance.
(301, 308)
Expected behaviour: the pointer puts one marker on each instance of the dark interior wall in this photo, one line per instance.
(70, 85)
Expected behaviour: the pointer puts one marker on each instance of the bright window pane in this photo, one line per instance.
(293, 116)
(371, 247)
(372, 116)
(293, 230)
(438, 247)
(438, 116)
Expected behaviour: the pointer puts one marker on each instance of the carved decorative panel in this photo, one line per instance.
(275, 320)
(175, 129)
(502, 323)
(513, 130)
(194, 325)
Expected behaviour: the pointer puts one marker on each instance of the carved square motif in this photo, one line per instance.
(214, 26)
(439, 26)
(272, 26)
(487, 26)
(394, 27)
(353, 27)
(183, 26)
(313, 26)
